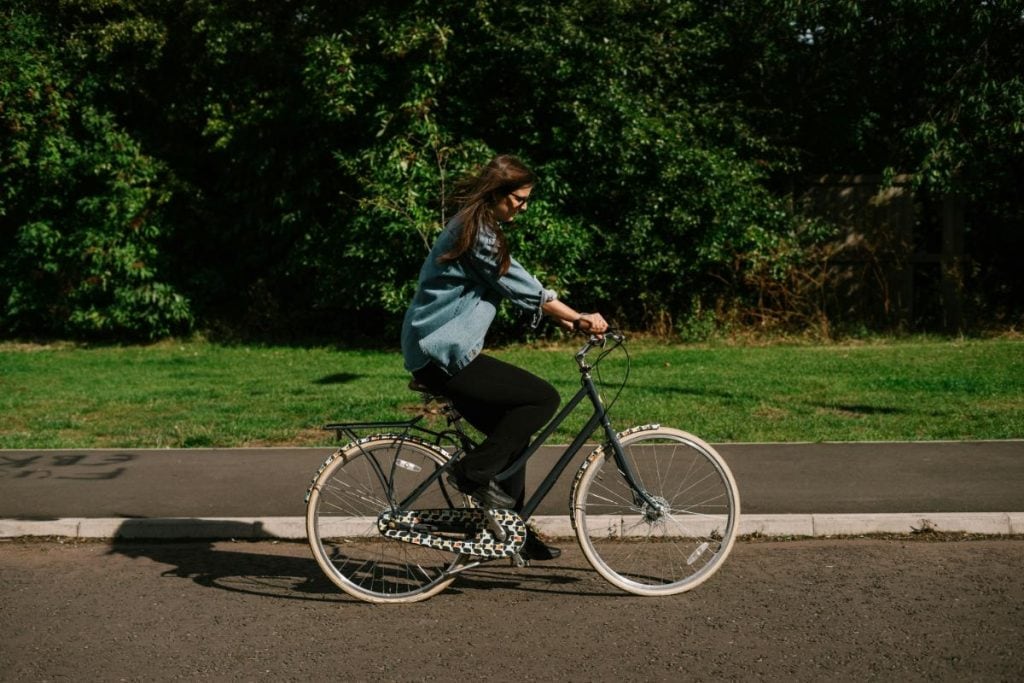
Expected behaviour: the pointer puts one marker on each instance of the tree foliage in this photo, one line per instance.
(81, 204)
(283, 165)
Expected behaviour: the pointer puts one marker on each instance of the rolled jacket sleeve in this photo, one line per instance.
(517, 285)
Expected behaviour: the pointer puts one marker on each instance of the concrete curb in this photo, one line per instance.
(294, 528)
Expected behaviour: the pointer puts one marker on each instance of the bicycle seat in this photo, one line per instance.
(417, 386)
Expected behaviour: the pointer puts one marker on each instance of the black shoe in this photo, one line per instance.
(488, 495)
(536, 549)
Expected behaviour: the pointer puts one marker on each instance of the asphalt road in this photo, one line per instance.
(932, 607)
(891, 610)
(835, 478)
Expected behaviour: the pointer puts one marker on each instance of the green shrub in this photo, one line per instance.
(81, 208)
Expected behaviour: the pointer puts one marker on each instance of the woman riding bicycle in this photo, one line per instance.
(464, 278)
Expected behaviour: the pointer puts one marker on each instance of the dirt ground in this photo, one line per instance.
(869, 609)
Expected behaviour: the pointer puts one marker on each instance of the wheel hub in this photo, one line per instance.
(654, 513)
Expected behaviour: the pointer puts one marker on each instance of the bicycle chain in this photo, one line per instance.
(411, 526)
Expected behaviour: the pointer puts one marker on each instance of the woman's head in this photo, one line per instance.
(492, 187)
(493, 195)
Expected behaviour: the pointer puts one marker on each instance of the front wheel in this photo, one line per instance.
(672, 545)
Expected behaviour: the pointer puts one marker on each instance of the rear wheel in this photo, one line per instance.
(672, 545)
(352, 488)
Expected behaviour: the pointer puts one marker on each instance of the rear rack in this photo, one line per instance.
(352, 430)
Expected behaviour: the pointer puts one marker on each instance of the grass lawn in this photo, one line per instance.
(198, 394)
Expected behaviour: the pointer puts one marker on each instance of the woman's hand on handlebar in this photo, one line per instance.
(570, 319)
(593, 323)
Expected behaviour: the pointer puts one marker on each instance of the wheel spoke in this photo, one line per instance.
(672, 545)
(347, 498)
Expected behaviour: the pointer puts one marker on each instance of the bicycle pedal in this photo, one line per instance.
(519, 561)
(494, 526)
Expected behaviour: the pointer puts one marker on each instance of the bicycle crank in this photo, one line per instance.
(468, 531)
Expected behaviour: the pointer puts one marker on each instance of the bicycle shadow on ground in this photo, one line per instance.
(566, 578)
(225, 557)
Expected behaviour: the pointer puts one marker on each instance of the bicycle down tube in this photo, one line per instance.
(599, 417)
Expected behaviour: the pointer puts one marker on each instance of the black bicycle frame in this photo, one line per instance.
(598, 417)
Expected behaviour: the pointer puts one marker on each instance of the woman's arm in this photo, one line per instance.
(568, 318)
(524, 290)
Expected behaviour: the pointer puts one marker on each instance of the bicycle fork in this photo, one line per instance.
(640, 496)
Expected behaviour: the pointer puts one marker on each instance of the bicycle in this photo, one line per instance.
(655, 510)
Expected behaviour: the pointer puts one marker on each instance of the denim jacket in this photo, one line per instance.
(456, 301)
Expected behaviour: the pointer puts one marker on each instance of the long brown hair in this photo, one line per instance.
(477, 194)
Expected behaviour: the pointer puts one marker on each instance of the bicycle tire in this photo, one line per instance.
(645, 550)
(343, 503)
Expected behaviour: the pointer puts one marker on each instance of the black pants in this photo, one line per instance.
(506, 403)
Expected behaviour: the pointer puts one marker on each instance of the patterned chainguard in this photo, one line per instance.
(425, 527)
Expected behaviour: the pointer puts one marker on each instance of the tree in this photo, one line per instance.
(81, 205)
(282, 166)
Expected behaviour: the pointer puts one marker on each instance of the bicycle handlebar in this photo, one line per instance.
(599, 341)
